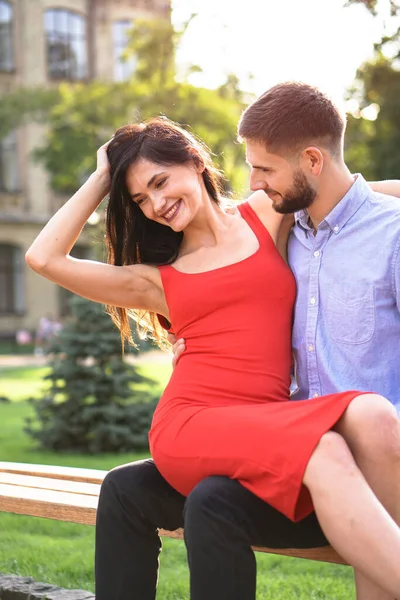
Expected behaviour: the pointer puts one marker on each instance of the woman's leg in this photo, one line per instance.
(371, 429)
(351, 516)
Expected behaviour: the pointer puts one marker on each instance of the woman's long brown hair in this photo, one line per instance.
(131, 238)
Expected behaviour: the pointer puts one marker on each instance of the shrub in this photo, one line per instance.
(93, 404)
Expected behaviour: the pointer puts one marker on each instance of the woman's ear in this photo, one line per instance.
(198, 164)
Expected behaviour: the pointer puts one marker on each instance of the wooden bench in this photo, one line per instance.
(71, 494)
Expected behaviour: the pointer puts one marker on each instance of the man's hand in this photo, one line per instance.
(283, 235)
(178, 347)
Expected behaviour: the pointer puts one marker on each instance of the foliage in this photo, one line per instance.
(369, 4)
(83, 116)
(391, 40)
(374, 146)
(21, 104)
(93, 404)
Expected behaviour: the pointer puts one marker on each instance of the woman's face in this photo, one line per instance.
(170, 195)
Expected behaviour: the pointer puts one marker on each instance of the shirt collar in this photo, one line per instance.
(343, 211)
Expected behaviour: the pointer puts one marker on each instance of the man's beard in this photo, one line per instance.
(299, 196)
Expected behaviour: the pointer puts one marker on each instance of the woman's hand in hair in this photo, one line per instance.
(103, 165)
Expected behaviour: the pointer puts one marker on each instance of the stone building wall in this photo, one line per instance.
(28, 202)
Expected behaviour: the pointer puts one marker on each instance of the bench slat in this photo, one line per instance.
(62, 506)
(45, 483)
(71, 473)
(326, 554)
(56, 493)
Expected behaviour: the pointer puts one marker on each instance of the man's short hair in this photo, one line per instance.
(291, 116)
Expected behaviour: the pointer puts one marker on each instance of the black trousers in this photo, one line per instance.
(222, 520)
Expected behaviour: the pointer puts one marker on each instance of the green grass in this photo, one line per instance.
(11, 347)
(63, 553)
(18, 384)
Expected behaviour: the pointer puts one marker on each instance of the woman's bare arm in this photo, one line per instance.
(133, 286)
(262, 205)
(389, 186)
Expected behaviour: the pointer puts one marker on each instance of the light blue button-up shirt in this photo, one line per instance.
(346, 333)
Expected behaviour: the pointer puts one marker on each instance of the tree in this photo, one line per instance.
(94, 403)
(392, 38)
(374, 146)
(83, 116)
(373, 136)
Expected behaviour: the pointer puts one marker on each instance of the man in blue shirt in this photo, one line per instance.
(344, 251)
(347, 320)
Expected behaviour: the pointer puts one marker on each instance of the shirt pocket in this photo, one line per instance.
(351, 315)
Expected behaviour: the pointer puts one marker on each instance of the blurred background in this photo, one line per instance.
(72, 71)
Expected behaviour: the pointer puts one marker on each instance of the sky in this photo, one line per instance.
(267, 41)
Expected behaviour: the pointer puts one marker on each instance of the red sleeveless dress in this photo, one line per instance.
(226, 408)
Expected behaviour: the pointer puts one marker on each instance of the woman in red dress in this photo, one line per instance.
(213, 271)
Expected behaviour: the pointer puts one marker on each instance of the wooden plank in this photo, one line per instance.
(45, 483)
(71, 473)
(62, 506)
(65, 502)
(326, 554)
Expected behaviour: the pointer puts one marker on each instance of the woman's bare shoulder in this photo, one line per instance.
(262, 206)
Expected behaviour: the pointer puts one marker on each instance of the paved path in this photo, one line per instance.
(29, 360)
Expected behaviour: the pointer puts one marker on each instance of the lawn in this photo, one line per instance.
(62, 553)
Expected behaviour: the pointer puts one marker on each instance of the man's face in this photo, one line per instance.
(287, 186)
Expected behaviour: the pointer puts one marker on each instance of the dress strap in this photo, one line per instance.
(253, 220)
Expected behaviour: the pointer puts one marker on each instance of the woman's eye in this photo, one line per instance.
(160, 183)
(140, 201)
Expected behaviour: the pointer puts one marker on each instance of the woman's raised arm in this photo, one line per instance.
(390, 187)
(132, 286)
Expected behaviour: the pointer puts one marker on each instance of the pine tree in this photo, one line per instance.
(92, 405)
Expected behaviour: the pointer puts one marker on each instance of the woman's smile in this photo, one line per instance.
(172, 211)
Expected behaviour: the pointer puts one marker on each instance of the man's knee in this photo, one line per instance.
(207, 494)
(215, 503)
(138, 491)
(134, 480)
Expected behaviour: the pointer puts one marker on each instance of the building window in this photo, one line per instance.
(123, 67)
(12, 297)
(6, 37)
(9, 171)
(66, 39)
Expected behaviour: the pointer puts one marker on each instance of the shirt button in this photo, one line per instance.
(311, 348)
(312, 301)
(315, 395)
(316, 253)
(336, 228)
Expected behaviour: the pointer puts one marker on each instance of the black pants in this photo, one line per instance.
(222, 520)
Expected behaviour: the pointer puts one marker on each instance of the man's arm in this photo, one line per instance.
(390, 187)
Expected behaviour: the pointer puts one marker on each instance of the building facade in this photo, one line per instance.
(43, 42)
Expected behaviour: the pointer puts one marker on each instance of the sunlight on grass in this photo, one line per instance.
(18, 383)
